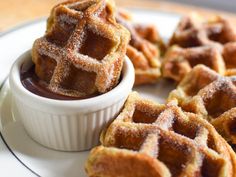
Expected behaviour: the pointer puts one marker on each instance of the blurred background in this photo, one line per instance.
(15, 12)
(226, 5)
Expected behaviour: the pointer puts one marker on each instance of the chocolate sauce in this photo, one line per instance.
(32, 83)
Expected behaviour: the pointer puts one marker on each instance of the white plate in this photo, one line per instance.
(31, 158)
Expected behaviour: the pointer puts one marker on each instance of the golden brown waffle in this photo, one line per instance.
(195, 30)
(155, 140)
(212, 96)
(83, 49)
(143, 50)
(210, 42)
(179, 61)
(229, 55)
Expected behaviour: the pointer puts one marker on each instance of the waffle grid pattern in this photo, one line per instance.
(164, 139)
(84, 41)
(196, 41)
(210, 95)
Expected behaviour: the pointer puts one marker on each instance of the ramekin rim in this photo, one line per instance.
(15, 83)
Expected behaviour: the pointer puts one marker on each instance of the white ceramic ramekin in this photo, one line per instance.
(72, 125)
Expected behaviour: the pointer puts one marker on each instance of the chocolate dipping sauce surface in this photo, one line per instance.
(32, 83)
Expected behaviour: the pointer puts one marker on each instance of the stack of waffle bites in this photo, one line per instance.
(196, 41)
(201, 57)
(184, 136)
(83, 50)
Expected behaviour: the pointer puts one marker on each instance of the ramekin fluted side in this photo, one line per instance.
(66, 132)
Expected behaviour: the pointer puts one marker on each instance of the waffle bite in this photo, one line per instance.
(179, 61)
(150, 140)
(229, 55)
(198, 41)
(195, 30)
(212, 96)
(83, 49)
(143, 50)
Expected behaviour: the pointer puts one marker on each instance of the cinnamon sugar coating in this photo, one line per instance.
(144, 49)
(210, 95)
(83, 49)
(178, 62)
(229, 55)
(149, 139)
(195, 30)
(210, 42)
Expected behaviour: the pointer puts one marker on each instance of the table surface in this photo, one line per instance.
(15, 12)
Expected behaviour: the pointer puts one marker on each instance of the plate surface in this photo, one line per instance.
(31, 158)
